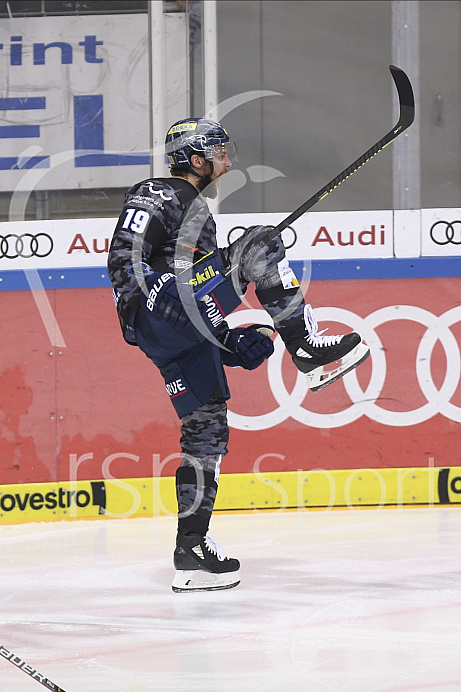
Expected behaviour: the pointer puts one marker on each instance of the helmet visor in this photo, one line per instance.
(219, 152)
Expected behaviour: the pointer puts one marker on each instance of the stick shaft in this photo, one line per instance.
(406, 117)
(29, 670)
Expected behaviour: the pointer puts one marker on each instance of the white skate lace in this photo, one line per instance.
(215, 548)
(315, 337)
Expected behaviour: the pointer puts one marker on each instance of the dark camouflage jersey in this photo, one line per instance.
(165, 225)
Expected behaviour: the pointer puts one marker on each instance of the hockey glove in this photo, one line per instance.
(248, 347)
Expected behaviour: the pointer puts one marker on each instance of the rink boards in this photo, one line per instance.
(86, 429)
(292, 490)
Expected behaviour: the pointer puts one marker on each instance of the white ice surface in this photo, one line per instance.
(343, 601)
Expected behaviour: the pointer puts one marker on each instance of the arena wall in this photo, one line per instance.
(86, 428)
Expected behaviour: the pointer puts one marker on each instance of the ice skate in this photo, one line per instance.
(312, 352)
(202, 566)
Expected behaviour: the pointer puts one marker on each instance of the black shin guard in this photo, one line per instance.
(286, 307)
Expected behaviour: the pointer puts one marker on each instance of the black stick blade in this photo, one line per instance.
(406, 97)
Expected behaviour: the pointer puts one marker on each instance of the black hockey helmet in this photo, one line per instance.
(196, 136)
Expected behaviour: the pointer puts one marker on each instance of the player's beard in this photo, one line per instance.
(210, 188)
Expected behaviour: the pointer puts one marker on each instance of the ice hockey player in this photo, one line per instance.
(163, 250)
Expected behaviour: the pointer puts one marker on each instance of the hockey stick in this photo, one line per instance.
(406, 117)
(26, 668)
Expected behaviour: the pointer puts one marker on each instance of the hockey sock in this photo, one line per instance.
(196, 493)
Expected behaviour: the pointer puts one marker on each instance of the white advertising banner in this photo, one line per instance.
(321, 235)
(55, 244)
(74, 99)
(440, 232)
(85, 242)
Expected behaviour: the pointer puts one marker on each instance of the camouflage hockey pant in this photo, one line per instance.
(194, 375)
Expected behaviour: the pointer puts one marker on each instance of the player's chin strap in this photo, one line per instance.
(205, 178)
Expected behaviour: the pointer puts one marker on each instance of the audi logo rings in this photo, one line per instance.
(289, 404)
(26, 245)
(445, 232)
(288, 243)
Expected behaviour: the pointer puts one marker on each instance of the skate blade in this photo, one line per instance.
(198, 580)
(319, 379)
